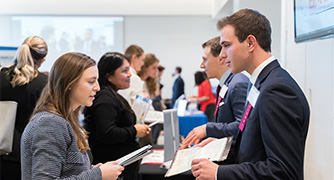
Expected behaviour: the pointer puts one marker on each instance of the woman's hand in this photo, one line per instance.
(142, 130)
(111, 170)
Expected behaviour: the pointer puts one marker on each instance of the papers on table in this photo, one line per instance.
(134, 156)
(214, 151)
(157, 157)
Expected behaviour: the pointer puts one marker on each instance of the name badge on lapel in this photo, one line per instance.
(253, 95)
(223, 91)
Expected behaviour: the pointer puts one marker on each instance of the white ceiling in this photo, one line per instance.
(112, 7)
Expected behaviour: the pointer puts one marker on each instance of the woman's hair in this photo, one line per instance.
(107, 66)
(28, 58)
(161, 68)
(200, 76)
(55, 97)
(151, 83)
(133, 49)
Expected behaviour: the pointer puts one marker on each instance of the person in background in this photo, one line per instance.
(178, 86)
(271, 139)
(161, 69)
(22, 83)
(230, 101)
(54, 145)
(48, 34)
(159, 105)
(136, 56)
(205, 97)
(148, 74)
(110, 121)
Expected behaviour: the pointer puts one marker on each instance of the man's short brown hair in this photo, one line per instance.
(215, 46)
(249, 22)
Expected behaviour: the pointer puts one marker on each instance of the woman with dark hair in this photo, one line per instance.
(54, 145)
(111, 123)
(22, 83)
(205, 97)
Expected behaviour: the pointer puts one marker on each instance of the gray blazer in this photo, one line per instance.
(49, 151)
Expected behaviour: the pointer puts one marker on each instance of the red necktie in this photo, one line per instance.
(217, 92)
(218, 99)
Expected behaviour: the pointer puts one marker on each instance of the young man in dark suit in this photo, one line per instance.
(178, 86)
(271, 139)
(231, 96)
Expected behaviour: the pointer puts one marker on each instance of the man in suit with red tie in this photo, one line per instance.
(271, 139)
(231, 96)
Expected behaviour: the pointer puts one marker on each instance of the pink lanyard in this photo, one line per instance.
(244, 118)
(217, 104)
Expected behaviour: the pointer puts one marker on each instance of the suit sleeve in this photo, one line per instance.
(177, 89)
(237, 97)
(281, 116)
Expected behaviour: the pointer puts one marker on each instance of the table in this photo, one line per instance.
(154, 172)
(189, 122)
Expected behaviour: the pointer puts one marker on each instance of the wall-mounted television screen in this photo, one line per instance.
(314, 19)
(92, 35)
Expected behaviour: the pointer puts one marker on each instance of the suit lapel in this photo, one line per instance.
(265, 72)
(218, 100)
(228, 79)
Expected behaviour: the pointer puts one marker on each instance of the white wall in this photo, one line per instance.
(272, 10)
(175, 40)
(106, 7)
(5, 30)
(311, 64)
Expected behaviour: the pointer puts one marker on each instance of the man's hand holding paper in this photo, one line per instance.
(203, 169)
(214, 150)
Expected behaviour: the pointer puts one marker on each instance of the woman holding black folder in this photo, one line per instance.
(53, 144)
(111, 123)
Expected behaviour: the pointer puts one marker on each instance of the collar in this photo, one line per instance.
(176, 76)
(258, 70)
(224, 77)
(133, 71)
